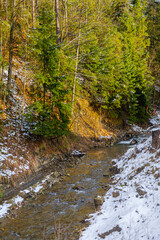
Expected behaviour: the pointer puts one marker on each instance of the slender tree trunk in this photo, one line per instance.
(75, 75)
(1, 55)
(44, 87)
(57, 21)
(64, 30)
(6, 10)
(24, 81)
(11, 43)
(33, 13)
(36, 5)
(66, 19)
(1, 5)
(99, 8)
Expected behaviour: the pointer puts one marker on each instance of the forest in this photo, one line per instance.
(79, 119)
(105, 51)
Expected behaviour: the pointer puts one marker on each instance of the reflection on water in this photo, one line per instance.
(61, 211)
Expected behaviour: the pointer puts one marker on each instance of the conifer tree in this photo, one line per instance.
(135, 57)
(49, 114)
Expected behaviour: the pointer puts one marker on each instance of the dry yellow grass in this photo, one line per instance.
(87, 122)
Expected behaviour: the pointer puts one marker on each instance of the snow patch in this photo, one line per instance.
(4, 209)
(135, 212)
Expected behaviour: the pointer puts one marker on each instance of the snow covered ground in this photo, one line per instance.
(18, 200)
(131, 209)
(132, 206)
(15, 164)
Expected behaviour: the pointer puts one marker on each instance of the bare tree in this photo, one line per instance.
(11, 44)
(76, 68)
(33, 13)
(57, 21)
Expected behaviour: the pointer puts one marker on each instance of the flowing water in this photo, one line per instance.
(61, 211)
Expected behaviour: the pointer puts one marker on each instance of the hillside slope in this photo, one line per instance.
(131, 209)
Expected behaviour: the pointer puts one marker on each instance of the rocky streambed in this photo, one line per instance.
(58, 206)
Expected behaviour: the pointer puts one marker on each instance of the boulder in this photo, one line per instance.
(114, 170)
(98, 201)
(133, 142)
(115, 194)
(141, 192)
(106, 174)
(156, 138)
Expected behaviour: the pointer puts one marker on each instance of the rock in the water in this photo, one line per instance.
(106, 174)
(156, 138)
(77, 153)
(114, 170)
(77, 187)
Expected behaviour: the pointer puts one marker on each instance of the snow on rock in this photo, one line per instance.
(77, 153)
(37, 188)
(6, 154)
(18, 200)
(105, 137)
(4, 209)
(156, 119)
(133, 213)
(136, 128)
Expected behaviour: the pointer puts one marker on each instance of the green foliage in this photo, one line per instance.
(118, 64)
(135, 58)
(46, 122)
(49, 114)
(113, 65)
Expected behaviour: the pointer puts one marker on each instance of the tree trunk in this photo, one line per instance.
(75, 75)
(57, 21)
(11, 43)
(36, 5)
(33, 13)
(6, 10)
(64, 30)
(1, 74)
(1, 54)
(66, 20)
(44, 95)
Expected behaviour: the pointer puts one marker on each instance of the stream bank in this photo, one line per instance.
(62, 207)
(131, 208)
(37, 196)
(60, 161)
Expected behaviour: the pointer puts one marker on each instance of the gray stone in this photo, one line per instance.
(156, 138)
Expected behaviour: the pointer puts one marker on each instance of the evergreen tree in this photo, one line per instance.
(153, 12)
(135, 57)
(49, 113)
(118, 63)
